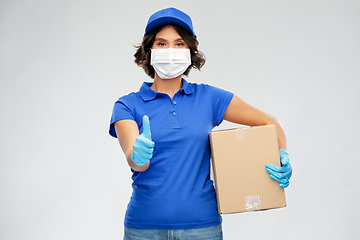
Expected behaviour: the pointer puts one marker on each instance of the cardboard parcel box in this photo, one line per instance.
(241, 181)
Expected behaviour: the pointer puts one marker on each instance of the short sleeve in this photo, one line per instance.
(121, 110)
(220, 100)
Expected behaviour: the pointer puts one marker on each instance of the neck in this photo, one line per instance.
(167, 86)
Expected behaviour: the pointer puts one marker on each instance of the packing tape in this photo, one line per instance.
(243, 133)
(252, 203)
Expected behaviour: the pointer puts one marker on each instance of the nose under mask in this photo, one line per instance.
(170, 63)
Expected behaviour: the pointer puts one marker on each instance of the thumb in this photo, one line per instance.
(284, 157)
(146, 127)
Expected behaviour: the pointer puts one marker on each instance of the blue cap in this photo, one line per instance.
(170, 16)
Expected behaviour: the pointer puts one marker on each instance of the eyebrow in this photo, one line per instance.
(162, 39)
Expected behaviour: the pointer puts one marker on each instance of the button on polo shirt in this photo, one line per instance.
(175, 192)
(148, 95)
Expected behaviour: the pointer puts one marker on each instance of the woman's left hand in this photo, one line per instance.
(281, 174)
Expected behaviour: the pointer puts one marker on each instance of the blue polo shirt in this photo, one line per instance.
(175, 192)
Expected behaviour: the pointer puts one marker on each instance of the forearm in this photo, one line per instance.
(242, 113)
(280, 132)
(127, 132)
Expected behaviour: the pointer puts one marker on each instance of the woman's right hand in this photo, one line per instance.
(143, 147)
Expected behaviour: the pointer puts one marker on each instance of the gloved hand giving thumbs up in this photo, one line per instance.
(143, 147)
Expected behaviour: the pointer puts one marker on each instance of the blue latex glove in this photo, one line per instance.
(281, 174)
(143, 147)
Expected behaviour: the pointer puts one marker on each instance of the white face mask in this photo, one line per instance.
(170, 63)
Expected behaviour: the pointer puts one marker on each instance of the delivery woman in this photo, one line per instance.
(163, 130)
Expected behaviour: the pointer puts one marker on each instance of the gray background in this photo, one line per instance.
(63, 64)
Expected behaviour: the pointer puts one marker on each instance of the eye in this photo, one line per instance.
(161, 44)
(180, 44)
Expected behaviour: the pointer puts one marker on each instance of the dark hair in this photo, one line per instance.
(142, 55)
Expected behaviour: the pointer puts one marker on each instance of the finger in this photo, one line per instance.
(273, 167)
(141, 149)
(145, 142)
(276, 174)
(284, 185)
(146, 127)
(138, 160)
(146, 153)
(279, 180)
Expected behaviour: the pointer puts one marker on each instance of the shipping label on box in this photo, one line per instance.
(238, 159)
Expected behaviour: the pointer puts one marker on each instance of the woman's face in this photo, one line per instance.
(168, 37)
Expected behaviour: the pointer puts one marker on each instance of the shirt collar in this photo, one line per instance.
(148, 94)
(187, 88)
